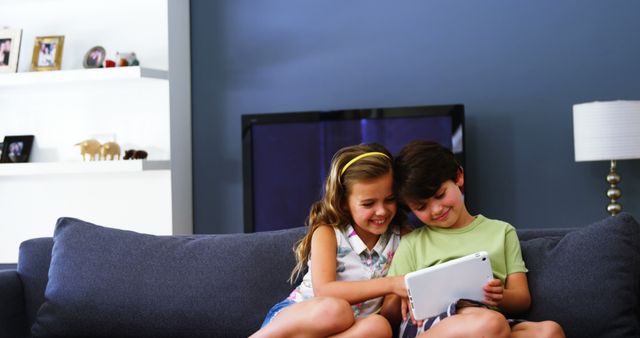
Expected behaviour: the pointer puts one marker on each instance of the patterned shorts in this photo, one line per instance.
(409, 330)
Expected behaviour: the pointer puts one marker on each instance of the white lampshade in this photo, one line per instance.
(606, 130)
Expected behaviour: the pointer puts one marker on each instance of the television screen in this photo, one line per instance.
(286, 156)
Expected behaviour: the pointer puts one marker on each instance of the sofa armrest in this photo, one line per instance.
(13, 321)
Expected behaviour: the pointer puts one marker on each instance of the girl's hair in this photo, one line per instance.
(331, 210)
(420, 169)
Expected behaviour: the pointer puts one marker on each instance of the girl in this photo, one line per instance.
(353, 232)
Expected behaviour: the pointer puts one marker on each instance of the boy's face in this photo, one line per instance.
(445, 209)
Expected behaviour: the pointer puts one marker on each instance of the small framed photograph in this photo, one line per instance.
(94, 57)
(9, 49)
(47, 53)
(16, 149)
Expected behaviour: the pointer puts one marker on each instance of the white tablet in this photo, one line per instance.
(432, 289)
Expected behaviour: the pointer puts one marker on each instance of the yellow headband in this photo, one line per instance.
(355, 159)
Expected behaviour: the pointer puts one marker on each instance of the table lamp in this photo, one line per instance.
(607, 131)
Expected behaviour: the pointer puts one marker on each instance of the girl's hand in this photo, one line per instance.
(398, 287)
(493, 292)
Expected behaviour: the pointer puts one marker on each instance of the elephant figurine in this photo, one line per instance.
(89, 147)
(133, 154)
(111, 149)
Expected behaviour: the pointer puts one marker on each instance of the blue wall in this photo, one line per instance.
(517, 66)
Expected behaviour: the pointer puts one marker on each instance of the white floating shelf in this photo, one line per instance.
(53, 168)
(75, 75)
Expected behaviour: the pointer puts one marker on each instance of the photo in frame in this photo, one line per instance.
(47, 53)
(9, 49)
(16, 149)
(94, 58)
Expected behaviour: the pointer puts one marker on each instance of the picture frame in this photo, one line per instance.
(9, 49)
(16, 149)
(94, 58)
(47, 53)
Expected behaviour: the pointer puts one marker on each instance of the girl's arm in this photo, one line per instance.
(514, 298)
(323, 276)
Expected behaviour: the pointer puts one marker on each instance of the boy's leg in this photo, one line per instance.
(546, 329)
(316, 317)
(471, 322)
(372, 326)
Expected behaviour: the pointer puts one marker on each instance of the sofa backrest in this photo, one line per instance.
(33, 267)
(562, 279)
(586, 279)
(8, 266)
(247, 273)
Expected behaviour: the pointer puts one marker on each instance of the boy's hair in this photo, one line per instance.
(331, 209)
(420, 168)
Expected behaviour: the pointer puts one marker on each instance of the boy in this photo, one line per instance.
(429, 182)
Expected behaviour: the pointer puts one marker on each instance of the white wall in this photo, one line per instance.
(133, 113)
(116, 25)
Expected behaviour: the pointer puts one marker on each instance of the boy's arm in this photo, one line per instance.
(402, 263)
(513, 298)
(516, 297)
(391, 309)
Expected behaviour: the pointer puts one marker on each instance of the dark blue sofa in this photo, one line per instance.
(93, 281)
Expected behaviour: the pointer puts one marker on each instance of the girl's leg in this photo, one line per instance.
(372, 326)
(471, 322)
(546, 329)
(316, 317)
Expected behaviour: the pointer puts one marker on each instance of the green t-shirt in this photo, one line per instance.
(428, 246)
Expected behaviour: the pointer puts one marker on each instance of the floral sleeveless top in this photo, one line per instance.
(356, 262)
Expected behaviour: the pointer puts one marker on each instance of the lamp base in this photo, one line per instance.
(614, 193)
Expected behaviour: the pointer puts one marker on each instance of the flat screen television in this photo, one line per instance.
(286, 156)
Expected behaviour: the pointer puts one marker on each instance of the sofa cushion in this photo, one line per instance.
(587, 280)
(106, 282)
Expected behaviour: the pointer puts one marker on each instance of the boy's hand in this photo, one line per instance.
(401, 290)
(404, 308)
(406, 312)
(493, 292)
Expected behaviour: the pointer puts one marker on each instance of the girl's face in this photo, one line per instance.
(372, 206)
(445, 209)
